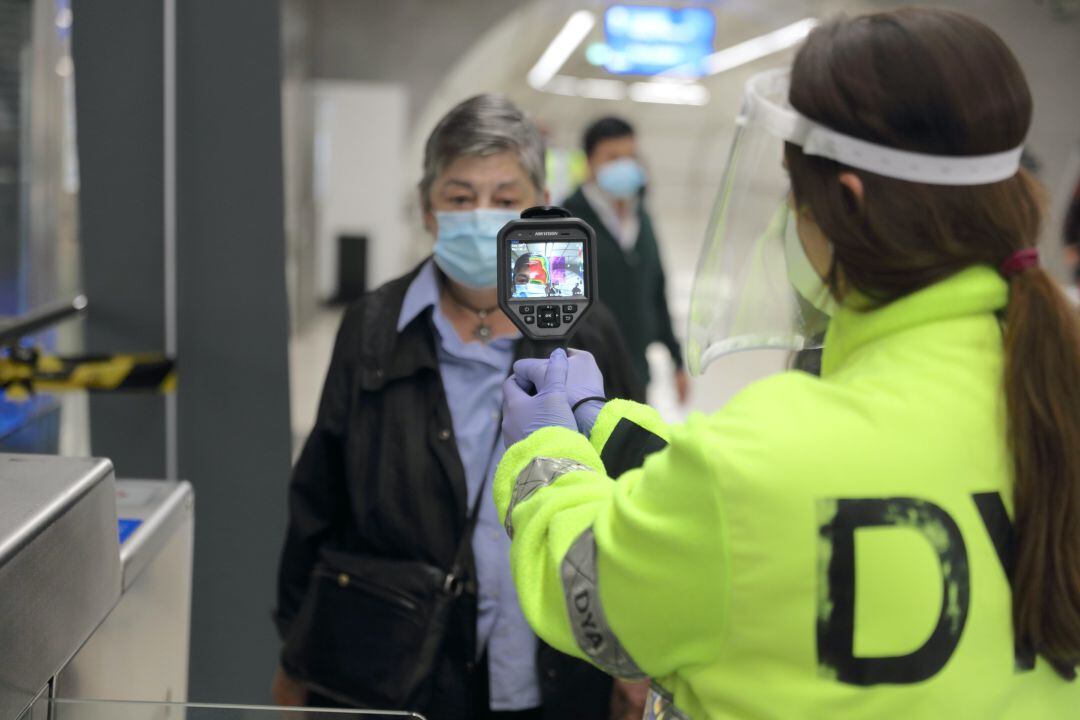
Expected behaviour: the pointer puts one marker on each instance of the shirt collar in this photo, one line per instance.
(423, 293)
(973, 291)
(624, 229)
(603, 203)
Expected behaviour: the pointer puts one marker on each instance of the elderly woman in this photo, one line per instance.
(391, 495)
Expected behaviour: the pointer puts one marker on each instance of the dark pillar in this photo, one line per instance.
(117, 50)
(234, 439)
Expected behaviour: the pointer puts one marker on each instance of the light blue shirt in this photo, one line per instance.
(472, 375)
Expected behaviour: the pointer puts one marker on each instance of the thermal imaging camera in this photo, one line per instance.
(547, 272)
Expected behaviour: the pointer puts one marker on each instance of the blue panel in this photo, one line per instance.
(127, 526)
(31, 425)
(643, 40)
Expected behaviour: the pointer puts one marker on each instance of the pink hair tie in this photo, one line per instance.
(1018, 262)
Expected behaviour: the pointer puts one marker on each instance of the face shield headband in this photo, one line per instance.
(785, 123)
(746, 292)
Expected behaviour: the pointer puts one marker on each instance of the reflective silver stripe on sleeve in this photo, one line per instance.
(587, 618)
(541, 472)
(660, 705)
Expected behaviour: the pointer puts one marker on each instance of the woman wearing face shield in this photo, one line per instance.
(899, 537)
(394, 585)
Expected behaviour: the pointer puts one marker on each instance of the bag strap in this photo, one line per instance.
(453, 584)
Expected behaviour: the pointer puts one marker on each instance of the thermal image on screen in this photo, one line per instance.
(548, 269)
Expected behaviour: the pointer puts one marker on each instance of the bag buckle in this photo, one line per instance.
(453, 585)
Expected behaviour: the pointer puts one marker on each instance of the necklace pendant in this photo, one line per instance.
(482, 333)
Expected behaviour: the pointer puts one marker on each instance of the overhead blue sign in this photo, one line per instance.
(645, 40)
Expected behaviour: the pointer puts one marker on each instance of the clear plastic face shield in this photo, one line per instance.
(755, 287)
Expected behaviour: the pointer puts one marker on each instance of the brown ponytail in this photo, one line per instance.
(1042, 392)
(939, 82)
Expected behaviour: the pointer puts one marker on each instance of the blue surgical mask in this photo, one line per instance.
(466, 248)
(621, 178)
(530, 290)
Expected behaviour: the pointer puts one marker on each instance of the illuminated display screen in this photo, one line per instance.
(547, 269)
(645, 40)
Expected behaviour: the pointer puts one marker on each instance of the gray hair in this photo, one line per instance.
(483, 125)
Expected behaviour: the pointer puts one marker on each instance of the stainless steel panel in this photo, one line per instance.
(59, 566)
(162, 506)
(39, 708)
(128, 710)
(140, 652)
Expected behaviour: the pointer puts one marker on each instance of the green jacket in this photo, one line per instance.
(632, 285)
(819, 548)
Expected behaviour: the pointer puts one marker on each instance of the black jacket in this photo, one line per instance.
(632, 284)
(380, 475)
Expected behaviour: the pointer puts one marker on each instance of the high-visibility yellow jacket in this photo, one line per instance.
(819, 548)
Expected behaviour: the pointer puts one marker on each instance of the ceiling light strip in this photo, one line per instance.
(562, 46)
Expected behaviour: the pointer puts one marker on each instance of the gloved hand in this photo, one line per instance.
(583, 380)
(524, 413)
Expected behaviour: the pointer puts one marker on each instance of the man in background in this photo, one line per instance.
(632, 277)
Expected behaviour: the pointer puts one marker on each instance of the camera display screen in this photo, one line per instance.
(547, 269)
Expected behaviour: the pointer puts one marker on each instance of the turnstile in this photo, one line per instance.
(140, 651)
(95, 593)
(60, 571)
(95, 583)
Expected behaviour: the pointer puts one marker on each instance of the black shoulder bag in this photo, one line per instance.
(370, 630)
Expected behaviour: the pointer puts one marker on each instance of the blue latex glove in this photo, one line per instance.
(583, 380)
(524, 413)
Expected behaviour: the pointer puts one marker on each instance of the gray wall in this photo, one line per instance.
(413, 42)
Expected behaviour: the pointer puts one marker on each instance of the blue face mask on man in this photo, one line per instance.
(622, 178)
(466, 248)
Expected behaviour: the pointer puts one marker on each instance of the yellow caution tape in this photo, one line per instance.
(20, 376)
